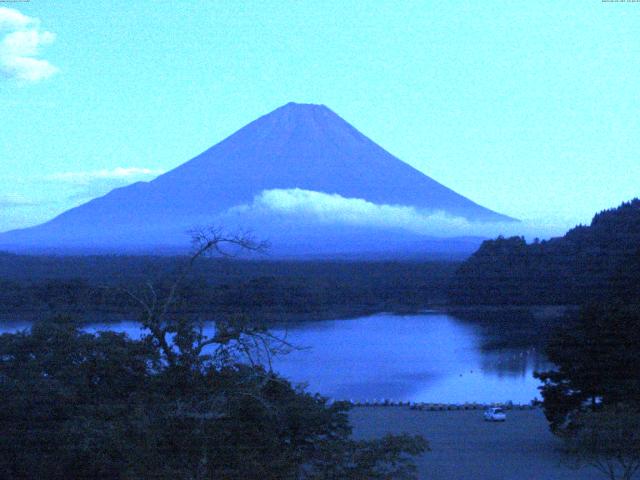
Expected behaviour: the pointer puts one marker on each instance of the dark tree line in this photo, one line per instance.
(592, 397)
(581, 267)
(263, 289)
(597, 358)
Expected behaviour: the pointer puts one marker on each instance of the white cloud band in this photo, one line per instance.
(10, 201)
(336, 209)
(20, 45)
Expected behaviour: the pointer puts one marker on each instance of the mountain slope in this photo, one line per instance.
(589, 264)
(297, 146)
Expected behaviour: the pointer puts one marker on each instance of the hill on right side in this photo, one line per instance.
(588, 264)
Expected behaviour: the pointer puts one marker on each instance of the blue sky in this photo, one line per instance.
(529, 108)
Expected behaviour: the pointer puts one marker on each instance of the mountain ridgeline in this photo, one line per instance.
(588, 264)
(306, 153)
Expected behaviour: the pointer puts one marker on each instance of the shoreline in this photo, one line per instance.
(439, 407)
(272, 318)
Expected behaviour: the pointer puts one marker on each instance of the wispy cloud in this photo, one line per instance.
(21, 39)
(119, 173)
(12, 201)
(336, 209)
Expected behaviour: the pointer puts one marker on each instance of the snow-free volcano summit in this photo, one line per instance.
(301, 177)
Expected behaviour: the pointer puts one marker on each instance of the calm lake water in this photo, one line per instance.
(430, 357)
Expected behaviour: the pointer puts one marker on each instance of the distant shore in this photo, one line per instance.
(332, 313)
(538, 311)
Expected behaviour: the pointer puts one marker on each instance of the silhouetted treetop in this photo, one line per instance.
(589, 263)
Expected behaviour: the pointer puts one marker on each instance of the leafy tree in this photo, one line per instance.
(175, 404)
(609, 440)
(66, 399)
(625, 284)
(597, 360)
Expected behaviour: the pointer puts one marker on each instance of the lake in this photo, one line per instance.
(429, 357)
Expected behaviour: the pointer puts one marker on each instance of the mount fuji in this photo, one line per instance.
(301, 177)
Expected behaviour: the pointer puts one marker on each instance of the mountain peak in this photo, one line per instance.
(299, 147)
(299, 112)
(303, 105)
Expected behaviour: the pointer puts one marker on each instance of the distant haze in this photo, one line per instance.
(300, 176)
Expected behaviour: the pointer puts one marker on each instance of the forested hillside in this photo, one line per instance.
(583, 266)
(270, 290)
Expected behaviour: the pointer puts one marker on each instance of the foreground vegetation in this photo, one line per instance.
(174, 405)
(103, 406)
(592, 397)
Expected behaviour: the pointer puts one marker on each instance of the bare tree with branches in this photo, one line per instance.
(607, 439)
(181, 339)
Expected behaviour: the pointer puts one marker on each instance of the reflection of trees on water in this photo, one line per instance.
(512, 341)
(514, 362)
(505, 328)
